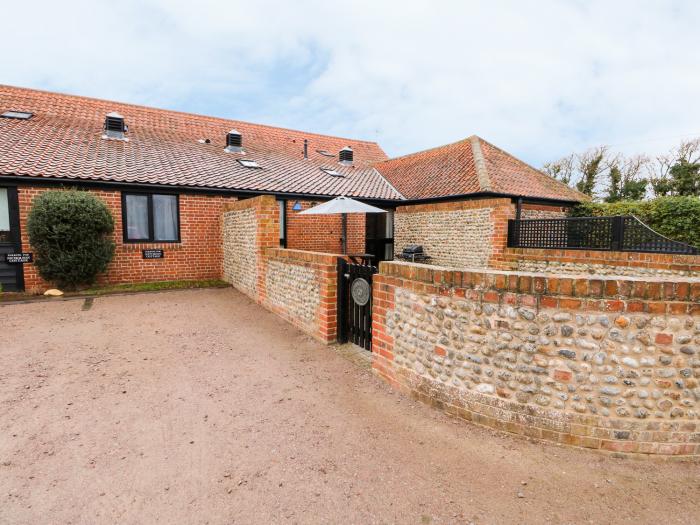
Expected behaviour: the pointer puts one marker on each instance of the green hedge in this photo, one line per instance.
(70, 232)
(677, 218)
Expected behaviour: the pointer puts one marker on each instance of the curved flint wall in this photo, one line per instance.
(604, 363)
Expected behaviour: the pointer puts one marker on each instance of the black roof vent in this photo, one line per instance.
(114, 127)
(345, 155)
(234, 142)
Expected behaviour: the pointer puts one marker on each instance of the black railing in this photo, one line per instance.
(623, 233)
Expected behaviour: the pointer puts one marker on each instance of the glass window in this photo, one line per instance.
(151, 218)
(283, 222)
(4, 211)
(165, 217)
(137, 217)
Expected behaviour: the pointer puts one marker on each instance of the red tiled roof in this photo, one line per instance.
(469, 166)
(64, 140)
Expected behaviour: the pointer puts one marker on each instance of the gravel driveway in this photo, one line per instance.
(201, 407)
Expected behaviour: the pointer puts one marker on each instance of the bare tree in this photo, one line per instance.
(688, 152)
(562, 169)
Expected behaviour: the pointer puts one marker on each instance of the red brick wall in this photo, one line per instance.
(197, 256)
(322, 233)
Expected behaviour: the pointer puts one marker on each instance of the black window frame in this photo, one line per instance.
(151, 227)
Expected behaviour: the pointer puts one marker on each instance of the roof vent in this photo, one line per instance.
(114, 126)
(234, 142)
(345, 156)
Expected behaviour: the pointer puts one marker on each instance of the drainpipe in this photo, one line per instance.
(345, 233)
(518, 208)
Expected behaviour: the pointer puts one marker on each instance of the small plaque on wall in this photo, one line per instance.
(19, 258)
(153, 254)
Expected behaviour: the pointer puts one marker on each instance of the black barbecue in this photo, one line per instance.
(413, 253)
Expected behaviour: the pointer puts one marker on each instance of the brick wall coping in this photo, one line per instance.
(453, 205)
(302, 255)
(677, 295)
(244, 204)
(673, 261)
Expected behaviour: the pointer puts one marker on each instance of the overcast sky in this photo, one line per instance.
(537, 78)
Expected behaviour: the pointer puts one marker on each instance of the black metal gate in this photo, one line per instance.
(355, 303)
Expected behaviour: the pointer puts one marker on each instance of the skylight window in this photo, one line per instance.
(21, 115)
(325, 153)
(249, 163)
(332, 172)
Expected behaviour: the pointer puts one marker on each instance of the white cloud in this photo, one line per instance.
(538, 78)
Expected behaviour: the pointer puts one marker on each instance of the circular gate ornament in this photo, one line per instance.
(360, 291)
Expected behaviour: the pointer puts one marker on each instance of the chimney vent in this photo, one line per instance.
(345, 156)
(114, 126)
(306, 149)
(234, 142)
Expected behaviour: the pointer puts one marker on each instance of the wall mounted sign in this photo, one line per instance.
(360, 291)
(19, 258)
(153, 254)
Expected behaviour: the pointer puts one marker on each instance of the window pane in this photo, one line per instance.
(281, 205)
(137, 217)
(165, 217)
(4, 211)
(389, 231)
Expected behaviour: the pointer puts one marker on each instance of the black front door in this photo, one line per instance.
(355, 303)
(379, 236)
(11, 275)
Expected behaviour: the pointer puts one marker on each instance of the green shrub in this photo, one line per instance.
(70, 232)
(677, 218)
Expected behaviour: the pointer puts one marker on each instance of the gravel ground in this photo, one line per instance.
(201, 407)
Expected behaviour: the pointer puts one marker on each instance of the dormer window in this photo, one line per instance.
(114, 126)
(234, 142)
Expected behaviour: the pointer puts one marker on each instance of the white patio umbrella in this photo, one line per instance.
(342, 206)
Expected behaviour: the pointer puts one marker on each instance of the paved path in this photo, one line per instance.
(201, 407)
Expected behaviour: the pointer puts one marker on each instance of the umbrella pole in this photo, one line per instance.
(345, 233)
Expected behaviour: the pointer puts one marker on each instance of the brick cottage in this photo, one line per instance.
(166, 177)
(596, 348)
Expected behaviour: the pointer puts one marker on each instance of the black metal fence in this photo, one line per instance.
(623, 233)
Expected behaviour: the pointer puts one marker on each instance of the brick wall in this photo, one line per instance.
(197, 256)
(323, 233)
(538, 211)
(602, 262)
(240, 249)
(461, 234)
(602, 363)
(299, 286)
